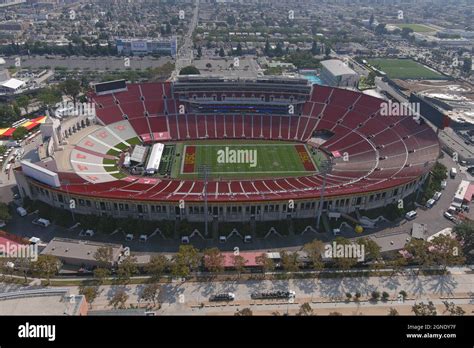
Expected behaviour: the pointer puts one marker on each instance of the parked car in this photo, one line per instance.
(89, 233)
(448, 216)
(185, 240)
(2, 224)
(229, 296)
(453, 173)
(143, 238)
(21, 211)
(129, 237)
(411, 215)
(41, 222)
(430, 203)
(336, 232)
(437, 195)
(222, 239)
(444, 183)
(248, 239)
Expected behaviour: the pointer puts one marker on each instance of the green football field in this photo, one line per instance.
(404, 69)
(417, 28)
(246, 159)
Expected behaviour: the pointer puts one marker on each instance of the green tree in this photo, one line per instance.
(239, 263)
(48, 97)
(452, 309)
(238, 51)
(127, 268)
(289, 261)
(214, 260)
(157, 266)
(119, 299)
(346, 262)
(406, 32)
(90, 293)
(104, 257)
(4, 212)
(305, 310)
(371, 249)
(370, 79)
(46, 266)
(185, 261)
(393, 312)
(315, 250)
(467, 65)
(465, 232)
(100, 274)
(19, 133)
(266, 263)
(419, 249)
(447, 251)
(189, 70)
(151, 292)
(244, 312)
(422, 309)
(71, 88)
(23, 101)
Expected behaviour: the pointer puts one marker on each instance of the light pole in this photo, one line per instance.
(325, 168)
(67, 182)
(203, 173)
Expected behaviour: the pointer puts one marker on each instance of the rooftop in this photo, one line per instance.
(79, 249)
(337, 67)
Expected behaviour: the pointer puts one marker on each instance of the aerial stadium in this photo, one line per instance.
(228, 149)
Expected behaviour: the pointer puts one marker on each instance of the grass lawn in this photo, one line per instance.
(247, 159)
(405, 69)
(417, 28)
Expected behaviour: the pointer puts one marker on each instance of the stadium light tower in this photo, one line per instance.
(325, 169)
(203, 173)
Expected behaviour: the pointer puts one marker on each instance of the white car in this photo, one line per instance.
(143, 238)
(2, 224)
(248, 239)
(222, 239)
(444, 183)
(411, 215)
(336, 232)
(430, 203)
(185, 240)
(437, 195)
(21, 211)
(129, 237)
(41, 222)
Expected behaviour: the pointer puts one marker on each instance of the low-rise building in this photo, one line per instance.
(80, 252)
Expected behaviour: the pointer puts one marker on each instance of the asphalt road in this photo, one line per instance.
(184, 298)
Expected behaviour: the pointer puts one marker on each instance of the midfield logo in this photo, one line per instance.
(237, 156)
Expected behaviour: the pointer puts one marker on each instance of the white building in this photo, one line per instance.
(335, 73)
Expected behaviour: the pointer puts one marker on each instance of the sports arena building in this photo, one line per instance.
(341, 150)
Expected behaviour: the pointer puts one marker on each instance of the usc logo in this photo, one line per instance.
(190, 158)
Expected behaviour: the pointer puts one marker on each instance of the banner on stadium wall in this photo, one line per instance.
(139, 46)
(160, 136)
